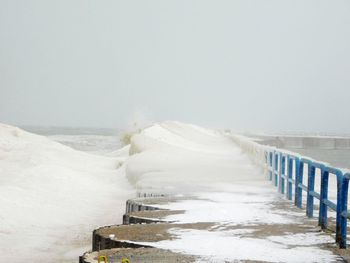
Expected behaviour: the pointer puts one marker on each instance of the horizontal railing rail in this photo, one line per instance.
(286, 169)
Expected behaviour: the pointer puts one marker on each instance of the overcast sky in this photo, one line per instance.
(256, 65)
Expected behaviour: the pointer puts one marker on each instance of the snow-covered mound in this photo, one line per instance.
(52, 197)
(177, 157)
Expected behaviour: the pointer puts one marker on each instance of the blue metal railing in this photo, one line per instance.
(286, 170)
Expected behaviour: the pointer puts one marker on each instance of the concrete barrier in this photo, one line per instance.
(99, 242)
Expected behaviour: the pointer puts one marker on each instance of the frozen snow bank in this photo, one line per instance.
(180, 157)
(52, 196)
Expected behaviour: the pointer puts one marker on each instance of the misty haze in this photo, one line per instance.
(174, 131)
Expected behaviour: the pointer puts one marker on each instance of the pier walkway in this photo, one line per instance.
(203, 198)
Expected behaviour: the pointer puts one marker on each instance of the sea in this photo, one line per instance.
(100, 141)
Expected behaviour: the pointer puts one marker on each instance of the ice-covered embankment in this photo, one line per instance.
(52, 197)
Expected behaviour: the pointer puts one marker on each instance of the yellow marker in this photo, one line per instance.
(103, 259)
(125, 260)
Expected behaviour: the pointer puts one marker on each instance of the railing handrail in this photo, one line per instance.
(280, 163)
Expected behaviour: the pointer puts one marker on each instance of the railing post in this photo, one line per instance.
(280, 172)
(270, 165)
(299, 170)
(310, 188)
(276, 169)
(289, 177)
(323, 219)
(273, 167)
(266, 154)
(339, 206)
(283, 173)
(344, 210)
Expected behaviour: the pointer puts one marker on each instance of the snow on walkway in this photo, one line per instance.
(252, 222)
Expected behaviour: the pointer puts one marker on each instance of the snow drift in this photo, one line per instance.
(175, 157)
(52, 197)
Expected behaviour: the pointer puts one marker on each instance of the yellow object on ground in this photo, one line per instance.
(102, 259)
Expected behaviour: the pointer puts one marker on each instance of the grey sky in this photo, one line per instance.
(266, 65)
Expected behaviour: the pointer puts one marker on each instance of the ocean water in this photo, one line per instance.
(334, 150)
(92, 140)
(339, 158)
(104, 141)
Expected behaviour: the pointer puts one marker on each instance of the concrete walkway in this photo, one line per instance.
(215, 206)
(251, 225)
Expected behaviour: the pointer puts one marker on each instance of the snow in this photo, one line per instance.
(179, 158)
(52, 197)
(227, 189)
(230, 209)
(237, 215)
(220, 247)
